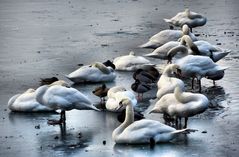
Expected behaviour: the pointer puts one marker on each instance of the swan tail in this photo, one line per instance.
(167, 20)
(184, 131)
(150, 44)
(219, 56)
(151, 55)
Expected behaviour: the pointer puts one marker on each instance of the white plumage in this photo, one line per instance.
(96, 72)
(130, 62)
(143, 131)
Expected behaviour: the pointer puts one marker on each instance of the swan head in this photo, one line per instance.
(108, 63)
(185, 29)
(123, 103)
(176, 69)
(61, 83)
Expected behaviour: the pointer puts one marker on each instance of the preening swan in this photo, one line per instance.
(168, 35)
(130, 62)
(96, 72)
(181, 104)
(63, 98)
(195, 66)
(26, 102)
(115, 95)
(167, 83)
(142, 131)
(188, 17)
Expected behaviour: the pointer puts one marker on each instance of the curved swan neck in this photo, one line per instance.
(178, 93)
(186, 40)
(168, 70)
(181, 48)
(181, 97)
(102, 67)
(40, 92)
(129, 119)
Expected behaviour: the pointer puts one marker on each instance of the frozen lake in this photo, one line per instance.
(51, 37)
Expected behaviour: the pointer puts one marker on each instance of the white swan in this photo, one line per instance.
(195, 66)
(143, 131)
(63, 98)
(213, 51)
(188, 17)
(96, 72)
(181, 104)
(167, 35)
(201, 47)
(130, 62)
(115, 95)
(167, 83)
(26, 102)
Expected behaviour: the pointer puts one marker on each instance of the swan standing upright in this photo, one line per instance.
(64, 98)
(167, 83)
(195, 66)
(181, 104)
(143, 131)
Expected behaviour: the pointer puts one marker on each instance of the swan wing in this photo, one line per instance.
(143, 130)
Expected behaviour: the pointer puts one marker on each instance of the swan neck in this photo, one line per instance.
(129, 119)
(181, 48)
(186, 40)
(40, 92)
(178, 93)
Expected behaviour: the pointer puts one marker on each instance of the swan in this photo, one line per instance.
(181, 104)
(130, 62)
(144, 131)
(115, 94)
(140, 88)
(26, 102)
(167, 83)
(200, 47)
(188, 17)
(195, 66)
(96, 72)
(64, 98)
(167, 35)
(101, 92)
(213, 51)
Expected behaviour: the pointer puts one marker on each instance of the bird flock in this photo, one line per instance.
(187, 58)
